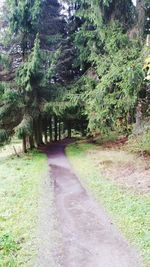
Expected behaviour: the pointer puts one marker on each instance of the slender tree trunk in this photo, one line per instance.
(36, 134)
(59, 130)
(82, 129)
(139, 117)
(45, 135)
(141, 11)
(63, 129)
(24, 145)
(31, 142)
(69, 129)
(45, 130)
(50, 130)
(40, 130)
(55, 126)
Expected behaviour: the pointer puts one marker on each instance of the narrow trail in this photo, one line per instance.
(89, 237)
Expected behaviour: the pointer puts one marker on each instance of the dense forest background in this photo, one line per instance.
(76, 64)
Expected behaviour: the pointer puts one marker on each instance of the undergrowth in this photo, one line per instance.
(139, 143)
(107, 137)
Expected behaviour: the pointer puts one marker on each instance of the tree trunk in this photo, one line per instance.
(31, 142)
(141, 11)
(82, 129)
(45, 130)
(139, 117)
(63, 129)
(148, 40)
(69, 129)
(45, 136)
(36, 134)
(24, 145)
(40, 130)
(50, 130)
(59, 130)
(55, 122)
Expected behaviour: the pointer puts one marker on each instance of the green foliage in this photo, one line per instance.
(54, 39)
(24, 128)
(5, 61)
(108, 10)
(106, 2)
(23, 15)
(2, 88)
(8, 245)
(28, 72)
(35, 74)
(4, 111)
(54, 108)
(117, 62)
(85, 42)
(3, 136)
(23, 19)
(52, 68)
(90, 64)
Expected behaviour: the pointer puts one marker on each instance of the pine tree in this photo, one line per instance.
(35, 68)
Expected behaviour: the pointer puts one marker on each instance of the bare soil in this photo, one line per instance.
(88, 235)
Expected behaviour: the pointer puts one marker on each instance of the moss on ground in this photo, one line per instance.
(20, 182)
(130, 211)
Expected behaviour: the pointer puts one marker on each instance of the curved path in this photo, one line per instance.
(89, 237)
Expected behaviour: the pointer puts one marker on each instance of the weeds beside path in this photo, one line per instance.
(129, 210)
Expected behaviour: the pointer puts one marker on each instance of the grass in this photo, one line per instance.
(130, 211)
(140, 143)
(8, 149)
(107, 137)
(20, 180)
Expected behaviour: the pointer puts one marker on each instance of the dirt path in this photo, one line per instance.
(89, 237)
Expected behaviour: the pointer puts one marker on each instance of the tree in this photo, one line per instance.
(84, 72)
(23, 20)
(142, 22)
(34, 70)
(106, 54)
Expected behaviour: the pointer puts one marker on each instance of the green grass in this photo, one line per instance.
(130, 211)
(20, 181)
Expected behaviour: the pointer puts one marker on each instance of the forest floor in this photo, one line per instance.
(89, 236)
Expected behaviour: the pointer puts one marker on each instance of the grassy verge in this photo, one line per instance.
(139, 143)
(104, 138)
(20, 180)
(128, 210)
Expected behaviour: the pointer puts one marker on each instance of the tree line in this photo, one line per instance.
(81, 69)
